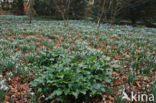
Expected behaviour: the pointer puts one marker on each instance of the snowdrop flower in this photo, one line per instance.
(25, 68)
(2, 82)
(10, 74)
(32, 93)
(3, 87)
(43, 96)
(9, 79)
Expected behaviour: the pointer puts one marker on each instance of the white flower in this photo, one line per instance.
(25, 68)
(1, 87)
(2, 82)
(10, 74)
(5, 88)
(43, 96)
(32, 93)
(9, 79)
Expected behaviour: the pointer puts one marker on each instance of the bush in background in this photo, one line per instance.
(48, 8)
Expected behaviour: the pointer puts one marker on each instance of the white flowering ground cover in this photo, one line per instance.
(133, 49)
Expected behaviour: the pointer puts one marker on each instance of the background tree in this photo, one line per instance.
(18, 7)
(49, 8)
(30, 11)
(113, 11)
(5, 5)
(135, 10)
(62, 7)
(44, 7)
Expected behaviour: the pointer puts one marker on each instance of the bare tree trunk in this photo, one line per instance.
(101, 12)
(64, 11)
(30, 13)
(67, 12)
(98, 23)
(65, 20)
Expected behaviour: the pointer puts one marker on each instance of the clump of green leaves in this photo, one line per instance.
(131, 78)
(24, 48)
(30, 57)
(2, 94)
(67, 78)
(153, 89)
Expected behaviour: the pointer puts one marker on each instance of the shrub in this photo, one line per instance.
(67, 79)
(29, 57)
(48, 8)
(18, 7)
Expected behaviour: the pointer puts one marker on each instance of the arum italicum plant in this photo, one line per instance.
(67, 78)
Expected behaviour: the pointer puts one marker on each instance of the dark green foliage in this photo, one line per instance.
(67, 79)
(153, 89)
(5, 5)
(18, 7)
(77, 9)
(99, 7)
(137, 10)
(48, 58)
(49, 8)
(2, 94)
(119, 100)
(143, 64)
(133, 10)
(29, 58)
(131, 78)
(44, 7)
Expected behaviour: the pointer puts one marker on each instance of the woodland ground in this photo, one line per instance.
(132, 48)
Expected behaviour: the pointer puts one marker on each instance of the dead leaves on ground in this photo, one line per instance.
(19, 90)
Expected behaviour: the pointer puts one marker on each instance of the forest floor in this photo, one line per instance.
(132, 48)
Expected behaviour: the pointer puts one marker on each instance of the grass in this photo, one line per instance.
(134, 48)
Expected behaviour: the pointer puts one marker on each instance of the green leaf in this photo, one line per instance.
(75, 94)
(39, 89)
(67, 91)
(34, 84)
(57, 92)
(83, 91)
(93, 58)
(60, 99)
